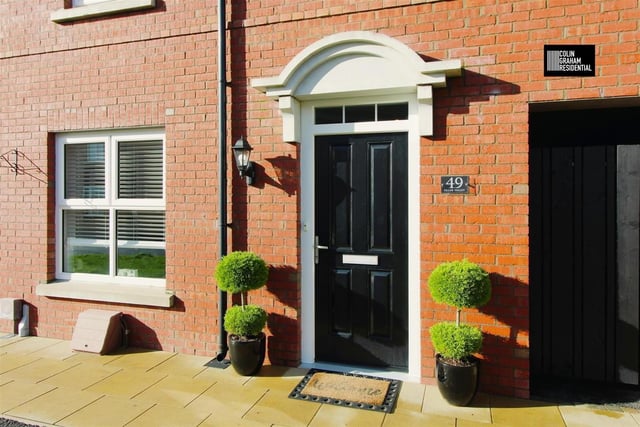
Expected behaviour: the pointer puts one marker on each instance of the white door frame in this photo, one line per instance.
(354, 67)
(307, 198)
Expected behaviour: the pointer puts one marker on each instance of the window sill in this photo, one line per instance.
(127, 294)
(100, 9)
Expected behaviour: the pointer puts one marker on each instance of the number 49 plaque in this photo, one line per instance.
(455, 184)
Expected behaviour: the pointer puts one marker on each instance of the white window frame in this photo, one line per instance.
(110, 202)
(79, 3)
(85, 9)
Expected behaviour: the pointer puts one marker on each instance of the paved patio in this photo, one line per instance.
(44, 382)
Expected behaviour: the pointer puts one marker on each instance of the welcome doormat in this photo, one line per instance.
(350, 390)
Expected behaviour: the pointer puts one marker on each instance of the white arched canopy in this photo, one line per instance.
(353, 64)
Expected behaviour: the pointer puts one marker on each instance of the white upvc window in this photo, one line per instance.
(78, 3)
(86, 9)
(110, 206)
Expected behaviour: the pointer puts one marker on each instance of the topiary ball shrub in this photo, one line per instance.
(461, 284)
(246, 321)
(241, 272)
(455, 342)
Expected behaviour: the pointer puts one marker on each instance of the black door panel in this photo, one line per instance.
(361, 278)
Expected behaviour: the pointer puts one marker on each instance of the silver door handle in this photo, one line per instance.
(316, 249)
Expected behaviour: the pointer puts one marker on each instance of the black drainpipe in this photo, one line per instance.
(222, 169)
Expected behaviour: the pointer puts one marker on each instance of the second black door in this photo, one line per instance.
(585, 238)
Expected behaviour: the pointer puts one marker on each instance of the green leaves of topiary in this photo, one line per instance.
(241, 272)
(455, 342)
(248, 320)
(461, 284)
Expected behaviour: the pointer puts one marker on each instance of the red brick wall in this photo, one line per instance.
(154, 68)
(481, 128)
(157, 68)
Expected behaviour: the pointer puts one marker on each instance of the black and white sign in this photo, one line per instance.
(454, 184)
(569, 60)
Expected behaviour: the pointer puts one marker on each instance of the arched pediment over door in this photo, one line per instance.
(351, 64)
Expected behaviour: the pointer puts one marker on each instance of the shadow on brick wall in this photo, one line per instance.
(461, 93)
(286, 174)
(286, 169)
(141, 334)
(505, 348)
(284, 343)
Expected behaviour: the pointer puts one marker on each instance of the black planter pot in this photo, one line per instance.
(457, 384)
(247, 355)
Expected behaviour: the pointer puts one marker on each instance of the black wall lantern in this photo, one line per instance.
(242, 152)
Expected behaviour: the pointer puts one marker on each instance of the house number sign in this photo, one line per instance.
(455, 184)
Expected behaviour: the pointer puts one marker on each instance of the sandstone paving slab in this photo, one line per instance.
(435, 404)
(106, 411)
(411, 397)
(28, 345)
(524, 413)
(276, 409)
(592, 415)
(10, 362)
(182, 364)
(341, 416)
(174, 390)
(82, 375)
(405, 418)
(169, 416)
(126, 383)
(55, 405)
(60, 350)
(39, 370)
(228, 399)
(141, 359)
(15, 393)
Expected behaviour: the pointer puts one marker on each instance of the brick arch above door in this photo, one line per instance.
(340, 66)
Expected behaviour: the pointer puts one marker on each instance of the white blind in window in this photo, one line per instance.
(87, 224)
(141, 226)
(140, 170)
(84, 171)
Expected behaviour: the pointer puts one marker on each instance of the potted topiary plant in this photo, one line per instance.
(238, 273)
(461, 284)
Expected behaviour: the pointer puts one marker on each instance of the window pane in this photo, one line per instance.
(86, 241)
(76, 3)
(140, 170)
(359, 113)
(84, 171)
(399, 111)
(327, 115)
(141, 243)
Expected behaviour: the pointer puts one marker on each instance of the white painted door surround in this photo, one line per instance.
(354, 68)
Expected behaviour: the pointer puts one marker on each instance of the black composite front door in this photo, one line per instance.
(361, 250)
